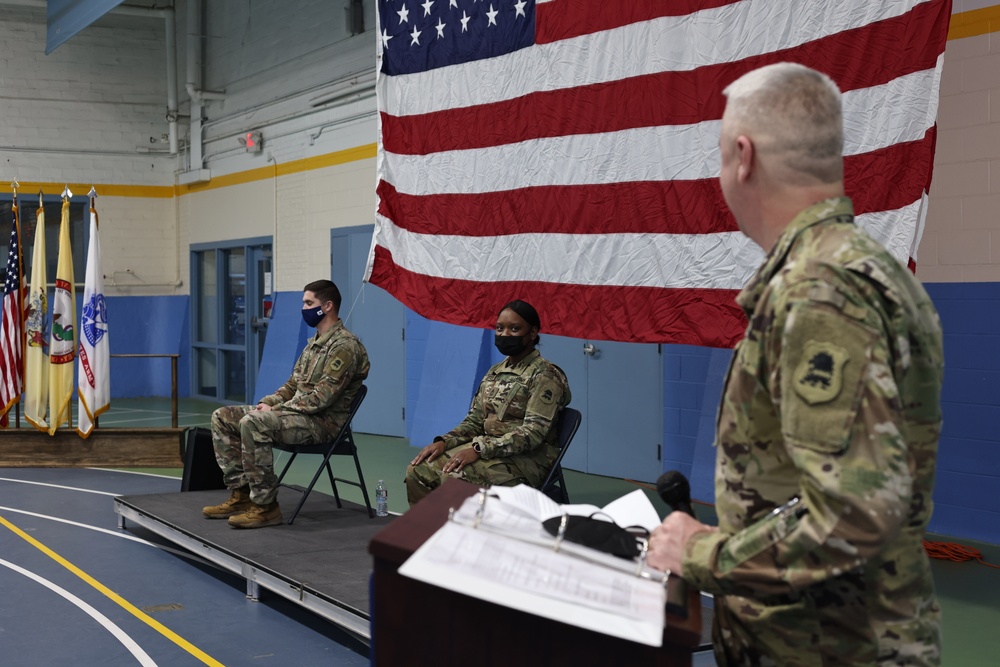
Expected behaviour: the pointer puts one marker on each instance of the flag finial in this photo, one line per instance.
(40, 194)
(14, 186)
(67, 193)
(93, 192)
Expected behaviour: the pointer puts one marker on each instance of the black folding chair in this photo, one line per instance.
(342, 445)
(554, 485)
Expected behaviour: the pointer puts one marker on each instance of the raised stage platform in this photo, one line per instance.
(320, 562)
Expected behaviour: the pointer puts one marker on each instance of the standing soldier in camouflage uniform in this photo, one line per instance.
(828, 429)
(509, 435)
(310, 408)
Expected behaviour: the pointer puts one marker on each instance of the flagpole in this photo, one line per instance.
(17, 406)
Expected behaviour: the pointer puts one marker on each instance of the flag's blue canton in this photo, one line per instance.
(419, 35)
(13, 281)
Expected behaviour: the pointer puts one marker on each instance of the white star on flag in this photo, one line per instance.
(492, 14)
(404, 15)
(416, 36)
(440, 28)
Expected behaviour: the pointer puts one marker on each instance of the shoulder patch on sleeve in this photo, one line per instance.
(823, 360)
(337, 364)
(819, 377)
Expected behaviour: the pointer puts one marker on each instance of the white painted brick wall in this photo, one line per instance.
(102, 95)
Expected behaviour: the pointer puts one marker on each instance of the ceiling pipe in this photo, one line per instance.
(170, 19)
(196, 168)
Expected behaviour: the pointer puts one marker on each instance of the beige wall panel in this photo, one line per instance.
(139, 246)
(963, 220)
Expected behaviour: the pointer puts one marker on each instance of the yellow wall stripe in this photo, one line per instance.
(27, 191)
(295, 166)
(974, 22)
(120, 601)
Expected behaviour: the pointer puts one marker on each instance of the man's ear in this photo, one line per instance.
(745, 154)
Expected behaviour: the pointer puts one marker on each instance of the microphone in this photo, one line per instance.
(674, 489)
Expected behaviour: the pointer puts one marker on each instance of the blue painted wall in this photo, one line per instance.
(148, 325)
(968, 474)
(444, 364)
(287, 334)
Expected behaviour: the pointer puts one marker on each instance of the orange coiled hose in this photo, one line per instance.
(954, 552)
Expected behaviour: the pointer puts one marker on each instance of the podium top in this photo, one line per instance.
(397, 541)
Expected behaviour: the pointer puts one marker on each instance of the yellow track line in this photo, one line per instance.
(119, 600)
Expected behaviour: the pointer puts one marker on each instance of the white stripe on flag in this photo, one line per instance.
(720, 261)
(660, 153)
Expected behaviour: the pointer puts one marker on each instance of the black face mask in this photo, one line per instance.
(510, 345)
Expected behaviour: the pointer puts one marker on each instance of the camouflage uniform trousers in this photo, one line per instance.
(423, 478)
(242, 438)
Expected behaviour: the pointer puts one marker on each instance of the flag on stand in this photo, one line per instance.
(566, 151)
(36, 359)
(62, 341)
(12, 325)
(94, 370)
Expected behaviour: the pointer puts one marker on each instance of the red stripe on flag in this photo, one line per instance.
(656, 207)
(869, 56)
(707, 317)
(892, 177)
(555, 21)
(677, 207)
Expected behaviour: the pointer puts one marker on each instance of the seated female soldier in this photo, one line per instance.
(509, 435)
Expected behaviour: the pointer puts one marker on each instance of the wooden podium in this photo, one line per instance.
(414, 623)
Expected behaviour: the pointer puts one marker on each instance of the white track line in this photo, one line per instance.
(141, 656)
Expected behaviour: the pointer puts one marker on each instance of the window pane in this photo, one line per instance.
(28, 217)
(236, 302)
(208, 299)
(205, 367)
(236, 385)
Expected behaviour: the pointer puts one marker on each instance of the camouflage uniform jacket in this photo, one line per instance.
(832, 397)
(325, 378)
(513, 414)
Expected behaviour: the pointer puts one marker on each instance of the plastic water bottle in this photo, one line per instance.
(381, 499)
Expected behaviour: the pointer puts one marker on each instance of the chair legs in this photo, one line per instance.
(364, 489)
(347, 444)
(556, 488)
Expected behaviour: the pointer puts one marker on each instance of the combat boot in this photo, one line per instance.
(239, 501)
(258, 516)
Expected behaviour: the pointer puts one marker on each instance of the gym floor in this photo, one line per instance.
(77, 590)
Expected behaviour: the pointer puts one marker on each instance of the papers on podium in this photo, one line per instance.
(495, 548)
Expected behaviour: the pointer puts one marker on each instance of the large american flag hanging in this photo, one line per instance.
(565, 152)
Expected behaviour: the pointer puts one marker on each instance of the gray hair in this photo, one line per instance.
(792, 114)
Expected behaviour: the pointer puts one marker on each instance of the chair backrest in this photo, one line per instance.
(351, 410)
(356, 402)
(566, 425)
